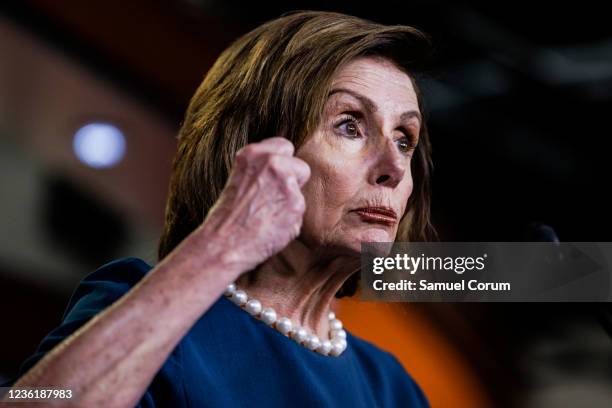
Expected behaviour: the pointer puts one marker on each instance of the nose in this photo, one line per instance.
(389, 165)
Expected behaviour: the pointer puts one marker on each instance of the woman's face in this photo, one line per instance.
(360, 156)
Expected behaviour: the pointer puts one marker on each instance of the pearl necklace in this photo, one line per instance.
(333, 347)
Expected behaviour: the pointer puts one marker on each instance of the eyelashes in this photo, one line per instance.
(349, 125)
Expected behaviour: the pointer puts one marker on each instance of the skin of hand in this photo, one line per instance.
(261, 208)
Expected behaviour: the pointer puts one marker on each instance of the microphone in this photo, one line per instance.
(539, 232)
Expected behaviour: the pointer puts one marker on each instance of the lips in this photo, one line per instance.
(379, 215)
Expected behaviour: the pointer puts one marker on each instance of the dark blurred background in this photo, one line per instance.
(518, 99)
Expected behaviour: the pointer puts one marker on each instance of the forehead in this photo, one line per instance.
(379, 79)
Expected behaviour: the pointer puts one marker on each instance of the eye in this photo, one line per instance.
(407, 143)
(348, 125)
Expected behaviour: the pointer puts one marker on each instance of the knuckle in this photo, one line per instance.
(281, 140)
(305, 167)
(242, 155)
(274, 139)
(274, 164)
(286, 142)
(246, 150)
(282, 143)
(240, 152)
(298, 204)
(301, 168)
(239, 160)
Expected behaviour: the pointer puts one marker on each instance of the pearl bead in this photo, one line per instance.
(299, 334)
(325, 348)
(335, 324)
(268, 316)
(284, 325)
(253, 306)
(239, 297)
(343, 343)
(313, 342)
(337, 347)
(229, 291)
(333, 347)
(338, 334)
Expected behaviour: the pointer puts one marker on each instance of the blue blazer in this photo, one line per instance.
(231, 359)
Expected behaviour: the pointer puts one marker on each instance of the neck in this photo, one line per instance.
(300, 283)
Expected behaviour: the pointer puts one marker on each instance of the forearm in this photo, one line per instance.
(112, 359)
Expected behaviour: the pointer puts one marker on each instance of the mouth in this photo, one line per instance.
(377, 215)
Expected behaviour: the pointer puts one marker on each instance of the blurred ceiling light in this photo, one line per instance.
(99, 145)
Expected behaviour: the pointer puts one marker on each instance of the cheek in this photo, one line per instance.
(329, 194)
(324, 205)
(405, 192)
(329, 190)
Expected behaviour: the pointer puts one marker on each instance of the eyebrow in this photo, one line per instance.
(371, 106)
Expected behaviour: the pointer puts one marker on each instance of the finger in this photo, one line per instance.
(277, 144)
(290, 167)
(300, 203)
(302, 171)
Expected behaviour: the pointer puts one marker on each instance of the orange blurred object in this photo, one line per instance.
(431, 359)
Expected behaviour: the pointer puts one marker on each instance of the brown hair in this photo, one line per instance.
(274, 81)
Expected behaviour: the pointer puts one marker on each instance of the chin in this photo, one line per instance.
(374, 234)
(349, 242)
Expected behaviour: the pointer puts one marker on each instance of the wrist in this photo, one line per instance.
(209, 250)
